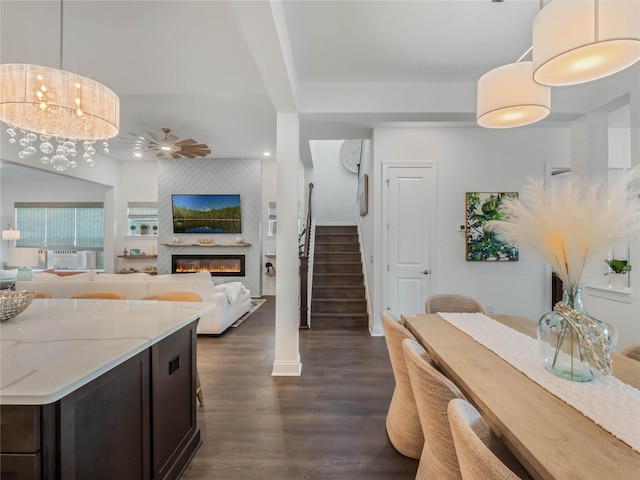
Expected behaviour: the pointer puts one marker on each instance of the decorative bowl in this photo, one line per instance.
(13, 304)
(204, 240)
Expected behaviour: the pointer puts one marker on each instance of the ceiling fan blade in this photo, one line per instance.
(160, 153)
(175, 155)
(198, 148)
(187, 154)
(188, 141)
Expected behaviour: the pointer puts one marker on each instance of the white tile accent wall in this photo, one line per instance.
(243, 176)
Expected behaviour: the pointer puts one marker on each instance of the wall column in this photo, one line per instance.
(590, 146)
(287, 352)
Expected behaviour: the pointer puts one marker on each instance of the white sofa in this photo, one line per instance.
(232, 299)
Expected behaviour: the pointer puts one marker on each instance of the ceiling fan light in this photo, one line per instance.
(577, 41)
(166, 148)
(508, 97)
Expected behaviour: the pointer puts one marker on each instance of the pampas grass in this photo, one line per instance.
(573, 224)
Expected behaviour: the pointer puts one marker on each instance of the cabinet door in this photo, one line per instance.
(104, 425)
(173, 385)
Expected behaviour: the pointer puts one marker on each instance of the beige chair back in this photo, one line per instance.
(175, 297)
(632, 352)
(100, 296)
(481, 454)
(403, 424)
(447, 302)
(433, 392)
(42, 295)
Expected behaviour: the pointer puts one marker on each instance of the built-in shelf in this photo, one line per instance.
(605, 291)
(206, 244)
(148, 236)
(137, 256)
(270, 255)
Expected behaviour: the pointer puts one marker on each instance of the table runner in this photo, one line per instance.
(609, 402)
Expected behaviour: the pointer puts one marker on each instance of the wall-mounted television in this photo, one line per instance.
(206, 213)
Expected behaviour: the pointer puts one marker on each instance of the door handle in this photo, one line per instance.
(426, 272)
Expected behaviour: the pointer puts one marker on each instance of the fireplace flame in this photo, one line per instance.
(211, 269)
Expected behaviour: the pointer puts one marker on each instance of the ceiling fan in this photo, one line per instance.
(169, 145)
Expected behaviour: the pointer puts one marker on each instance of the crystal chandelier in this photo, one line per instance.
(58, 108)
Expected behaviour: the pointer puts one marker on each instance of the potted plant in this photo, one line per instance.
(144, 229)
(133, 229)
(155, 229)
(617, 275)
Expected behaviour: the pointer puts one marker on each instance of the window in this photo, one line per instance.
(60, 226)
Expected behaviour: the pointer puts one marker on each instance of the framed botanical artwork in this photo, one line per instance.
(363, 194)
(482, 245)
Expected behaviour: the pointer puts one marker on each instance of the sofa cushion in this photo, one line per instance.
(183, 277)
(46, 277)
(231, 290)
(118, 277)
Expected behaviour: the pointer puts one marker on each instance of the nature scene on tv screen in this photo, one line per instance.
(214, 213)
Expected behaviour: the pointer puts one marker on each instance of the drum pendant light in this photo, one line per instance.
(508, 97)
(576, 41)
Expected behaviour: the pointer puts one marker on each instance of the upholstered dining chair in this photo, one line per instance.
(181, 297)
(175, 297)
(481, 454)
(42, 295)
(403, 424)
(632, 352)
(100, 296)
(448, 302)
(433, 392)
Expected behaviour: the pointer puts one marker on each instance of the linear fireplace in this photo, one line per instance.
(216, 265)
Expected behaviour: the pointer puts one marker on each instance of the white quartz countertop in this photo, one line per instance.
(58, 345)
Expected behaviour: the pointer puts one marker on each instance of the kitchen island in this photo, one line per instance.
(99, 389)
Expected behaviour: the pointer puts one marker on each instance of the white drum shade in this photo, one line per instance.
(508, 97)
(54, 102)
(576, 41)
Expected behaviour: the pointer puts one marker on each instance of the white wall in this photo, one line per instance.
(44, 187)
(366, 230)
(335, 187)
(473, 160)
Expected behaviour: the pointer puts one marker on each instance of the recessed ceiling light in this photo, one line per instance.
(137, 154)
(266, 154)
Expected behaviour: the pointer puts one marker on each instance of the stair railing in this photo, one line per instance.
(303, 268)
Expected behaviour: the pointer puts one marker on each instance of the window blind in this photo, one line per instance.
(57, 226)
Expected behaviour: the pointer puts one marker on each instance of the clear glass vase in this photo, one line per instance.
(561, 351)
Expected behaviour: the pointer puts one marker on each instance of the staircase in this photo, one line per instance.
(337, 298)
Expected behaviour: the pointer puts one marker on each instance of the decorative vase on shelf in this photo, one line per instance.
(570, 340)
(617, 281)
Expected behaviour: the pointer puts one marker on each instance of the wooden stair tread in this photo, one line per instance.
(338, 266)
(341, 300)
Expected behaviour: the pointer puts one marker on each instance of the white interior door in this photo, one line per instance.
(411, 200)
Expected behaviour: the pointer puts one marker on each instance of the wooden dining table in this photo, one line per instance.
(550, 438)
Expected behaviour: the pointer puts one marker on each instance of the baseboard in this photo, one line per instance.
(286, 369)
(376, 331)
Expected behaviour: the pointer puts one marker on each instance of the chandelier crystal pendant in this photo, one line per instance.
(60, 109)
(508, 97)
(576, 41)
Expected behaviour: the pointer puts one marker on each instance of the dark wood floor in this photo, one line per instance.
(326, 424)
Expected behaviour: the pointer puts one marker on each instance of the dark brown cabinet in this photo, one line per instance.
(135, 421)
